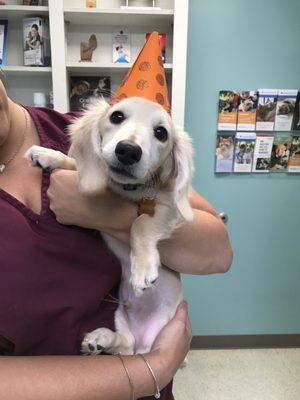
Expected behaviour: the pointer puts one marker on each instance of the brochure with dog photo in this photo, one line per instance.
(266, 109)
(285, 108)
(246, 119)
(262, 153)
(85, 89)
(224, 153)
(294, 161)
(228, 104)
(296, 118)
(243, 151)
(280, 153)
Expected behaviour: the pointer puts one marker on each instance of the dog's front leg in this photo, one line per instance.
(49, 159)
(146, 232)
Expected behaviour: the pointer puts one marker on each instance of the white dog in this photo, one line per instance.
(133, 148)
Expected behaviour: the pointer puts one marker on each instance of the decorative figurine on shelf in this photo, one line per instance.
(87, 48)
(91, 3)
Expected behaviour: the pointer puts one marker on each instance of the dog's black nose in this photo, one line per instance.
(128, 153)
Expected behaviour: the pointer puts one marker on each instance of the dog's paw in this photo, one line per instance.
(141, 281)
(42, 157)
(97, 341)
(144, 272)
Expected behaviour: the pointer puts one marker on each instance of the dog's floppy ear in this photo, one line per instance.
(86, 149)
(183, 171)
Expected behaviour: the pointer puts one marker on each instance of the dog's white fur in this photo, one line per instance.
(148, 294)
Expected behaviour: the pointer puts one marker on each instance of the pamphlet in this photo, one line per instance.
(247, 111)
(243, 151)
(228, 104)
(266, 109)
(262, 153)
(224, 153)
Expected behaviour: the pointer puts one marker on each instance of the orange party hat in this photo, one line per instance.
(146, 78)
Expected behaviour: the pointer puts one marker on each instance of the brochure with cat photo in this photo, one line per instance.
(285, 108)
(294, 161)
(86, 89)
(262, 153)
(246, 119)
(266, 109)
(296, 118)
(224, 153)
(227, 116)
(280, 153)
(243, 151)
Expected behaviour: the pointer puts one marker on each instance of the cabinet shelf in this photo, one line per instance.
(23, 70)
(118, 17)
(84, 67)
(12, 12)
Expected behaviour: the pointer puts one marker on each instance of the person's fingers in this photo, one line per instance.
(188, 324)
(181, 314)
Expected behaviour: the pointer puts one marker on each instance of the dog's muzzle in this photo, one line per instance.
(128, 153)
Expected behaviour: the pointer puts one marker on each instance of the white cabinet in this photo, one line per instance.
(71, 22)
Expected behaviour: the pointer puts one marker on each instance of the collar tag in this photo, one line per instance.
(146, 206)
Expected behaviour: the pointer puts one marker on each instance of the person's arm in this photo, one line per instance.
(200, 247)
(97, 377)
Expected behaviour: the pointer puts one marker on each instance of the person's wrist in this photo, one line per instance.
(140, 376)
(119, 217)
(161, 366)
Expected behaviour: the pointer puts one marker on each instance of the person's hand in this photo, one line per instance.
(106, 212)
(171, 345)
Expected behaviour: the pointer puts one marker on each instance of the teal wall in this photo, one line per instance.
(241, 44)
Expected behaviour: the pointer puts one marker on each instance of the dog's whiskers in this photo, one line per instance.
(112, 299)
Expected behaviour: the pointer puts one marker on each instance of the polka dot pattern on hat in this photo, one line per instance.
(160, 79)
(145, 66)
(160, 98)
(160, 61)
(142, 84)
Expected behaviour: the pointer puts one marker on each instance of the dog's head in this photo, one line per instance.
(130, 142)
(286, 107)
(248, 105)
(281, 149)
(248, 147)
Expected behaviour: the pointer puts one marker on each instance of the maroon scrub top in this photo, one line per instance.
(55, 279)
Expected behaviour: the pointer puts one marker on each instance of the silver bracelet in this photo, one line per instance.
(128, 375)
(157, 394)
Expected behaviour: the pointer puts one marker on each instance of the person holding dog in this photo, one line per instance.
(59, 281)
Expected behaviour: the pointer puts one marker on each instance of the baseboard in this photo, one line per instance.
(245, 341)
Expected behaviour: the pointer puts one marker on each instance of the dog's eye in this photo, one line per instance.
(161, 133)
(117, 117)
